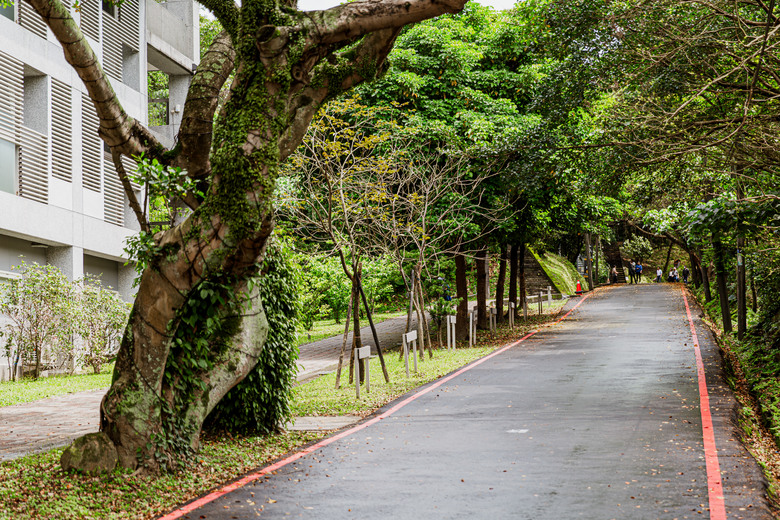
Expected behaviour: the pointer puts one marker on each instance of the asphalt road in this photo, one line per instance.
(597, 417)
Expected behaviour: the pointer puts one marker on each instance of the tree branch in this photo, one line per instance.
(196, 132)
(134, 205)
(227, 12)
(356, 19)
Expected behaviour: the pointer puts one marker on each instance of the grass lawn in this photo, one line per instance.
(35, 487)
(27, 390)
(326, 328)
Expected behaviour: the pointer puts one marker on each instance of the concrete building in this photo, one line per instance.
(61, 202)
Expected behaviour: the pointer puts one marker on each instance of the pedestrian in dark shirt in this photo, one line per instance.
(632, 272)
(686, 274)
(639, 271)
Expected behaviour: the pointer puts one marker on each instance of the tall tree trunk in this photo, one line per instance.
(373, 332)
(695, 268)
(741, 289)
(521, 290)
(596, 268)
(513, 276)
(705, 281)
(668, 257)
(589, 259)
(412, 288)
(344, 343)
(500, 283)
(462, 292)
(425, 326)
(480, 264)
(721, 275)
(357, 341)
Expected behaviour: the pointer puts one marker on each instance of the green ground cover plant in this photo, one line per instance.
(563, 274)
(35, 486)
(28, 390)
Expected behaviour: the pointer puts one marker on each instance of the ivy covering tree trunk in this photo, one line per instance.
(198, 325)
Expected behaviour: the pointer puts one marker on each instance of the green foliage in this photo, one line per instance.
(37, 305)
(261, 402)
(163, 186)
(29, 390)
(48, 313)
(563, 274)
(100, 317)
(637, 248)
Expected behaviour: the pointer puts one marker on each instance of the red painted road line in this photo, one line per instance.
(178, 513)
(714, 481)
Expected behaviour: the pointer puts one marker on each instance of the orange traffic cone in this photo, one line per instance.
(579, 288)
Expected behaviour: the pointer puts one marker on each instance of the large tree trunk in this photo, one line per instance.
(173, 367)
(513, 276)
(695, 268)
(480, 263)
(668, 257)
(521, 290)
(741, 289)
(462, 293)
(145, 413)
(500, 284)
(723, 292)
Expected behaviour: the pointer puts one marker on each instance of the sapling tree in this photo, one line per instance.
(285, 65)
(36, 305)
(100, 317)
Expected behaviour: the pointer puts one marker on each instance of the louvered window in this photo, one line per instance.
(117, 31)
(11, 100)
(114, 196)
(92, 151)
(11, 97)
(89, 19)
(31, 20)
(33, 165)
(61, 131)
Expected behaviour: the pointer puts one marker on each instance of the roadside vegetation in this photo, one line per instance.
(36, 487)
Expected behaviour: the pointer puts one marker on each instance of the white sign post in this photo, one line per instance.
(450, 332)
(493, 319)
(410, 338)
(549, 294)
(541, 301)
(512, 315)
(362, 353)
(472, 327)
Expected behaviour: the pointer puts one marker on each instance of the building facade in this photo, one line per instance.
(61, 202)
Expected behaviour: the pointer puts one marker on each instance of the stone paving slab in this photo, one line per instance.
(322, 423)
(48, 423)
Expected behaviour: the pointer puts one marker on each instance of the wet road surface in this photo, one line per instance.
(596, 417)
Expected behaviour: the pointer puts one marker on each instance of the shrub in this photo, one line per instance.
(261, 402)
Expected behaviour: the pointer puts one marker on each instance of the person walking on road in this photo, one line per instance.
(658, 274)
(686, 273)
(613, 274)
(632, 272)
(638, 270)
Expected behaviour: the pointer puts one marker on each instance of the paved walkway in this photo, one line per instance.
(598, 417)
(49, 423)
